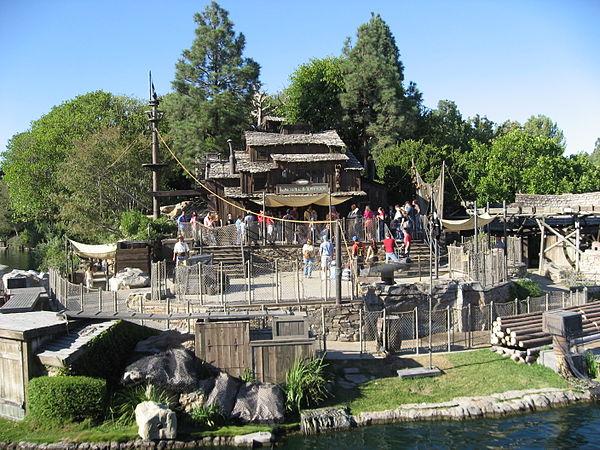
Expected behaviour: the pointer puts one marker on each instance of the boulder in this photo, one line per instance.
(259, 403)
(253, 439)
(163, 341)
(30, 278)
(224, 393)
(129, 278)
(174, 370)
(155, 421)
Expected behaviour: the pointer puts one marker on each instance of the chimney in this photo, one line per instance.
(231, 158)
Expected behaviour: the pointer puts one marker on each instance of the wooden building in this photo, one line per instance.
(290, 168)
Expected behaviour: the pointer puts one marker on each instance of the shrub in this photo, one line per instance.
(248, 376)
(525, 287)
(124, 402)
(592, 364)
(107, 354)
(208, 416)
(305, 384)
(53, 400)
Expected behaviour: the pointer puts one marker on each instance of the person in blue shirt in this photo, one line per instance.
(326, 252)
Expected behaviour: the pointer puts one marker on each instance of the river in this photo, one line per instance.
(570, 427)
(15, 259)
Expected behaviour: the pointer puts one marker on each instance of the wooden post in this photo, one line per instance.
(200, 283)
(448, 327)
(247, 278)
(542, 245)
(384, 339)
(100, 299)
(277, 284)
(323, 329)
(115, 302)
(168, 312)
(546, 301)
(469, 325)
(360, 329)
(297, 279)
(81, 297)
(221, 284)
(417, 330)
(577, 244)
(476, 247)
(528, 304)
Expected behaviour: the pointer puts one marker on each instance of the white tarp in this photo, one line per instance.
(467, 224)
(102, 251)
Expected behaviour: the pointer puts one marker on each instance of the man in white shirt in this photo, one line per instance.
(180, 251)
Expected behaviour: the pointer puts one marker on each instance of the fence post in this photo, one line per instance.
(419, 265)
(516, 306)
(528, 304)
(360, 329)
(384, 339)
(448, 326)
(323, 329)
(142, 308)
(562, 299)
(491, 314)
(470, 339)
(249, 282)
(100, 299)
(81, 297)
(297, 280)
(585, 294)
(221, 284)
(201, 282)
(115, 303)
(277, 286)
(546, 300)
(168, 312)
(417, 330)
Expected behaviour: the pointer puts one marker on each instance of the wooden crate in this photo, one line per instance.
(136, 254)
(272, 359)
(225, 345)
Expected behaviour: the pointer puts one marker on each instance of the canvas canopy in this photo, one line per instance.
(274, 201)
(467, 224)
(102, 251)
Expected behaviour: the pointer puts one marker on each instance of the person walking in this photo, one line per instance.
(326, 253)
(180, 251)
(308, 256)
(389, 245)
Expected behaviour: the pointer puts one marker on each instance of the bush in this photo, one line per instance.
(107, 354)
(125, 401)
(525, 287)
(208, 416)
(52, 400)
(592, 365)
(305, 384)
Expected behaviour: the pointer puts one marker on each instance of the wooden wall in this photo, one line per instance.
(273, 359)
(133, 257)
(13, 378)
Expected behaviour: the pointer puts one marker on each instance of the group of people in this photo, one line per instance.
(376, 225)
(325, 252)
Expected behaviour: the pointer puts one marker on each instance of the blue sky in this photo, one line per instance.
(504, 59)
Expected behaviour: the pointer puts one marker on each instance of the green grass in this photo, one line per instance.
(107, 432)
(465, 374)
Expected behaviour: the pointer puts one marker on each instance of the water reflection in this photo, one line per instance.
(15, 259)
(572, 427)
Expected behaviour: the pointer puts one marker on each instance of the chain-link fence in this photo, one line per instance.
(447, 329)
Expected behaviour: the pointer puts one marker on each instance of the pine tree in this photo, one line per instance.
(373, 99)
(214, 86)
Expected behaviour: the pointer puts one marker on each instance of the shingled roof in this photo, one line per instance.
(261, 139)
(308, 157)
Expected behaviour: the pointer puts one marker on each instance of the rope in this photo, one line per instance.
(455, 187)
(191, 175)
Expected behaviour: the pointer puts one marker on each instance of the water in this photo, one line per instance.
(15, 259)
(571, 427)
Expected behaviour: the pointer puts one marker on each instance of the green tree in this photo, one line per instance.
(313, 95)
(595, 156)
(373, 98)
(7, 227)
(541, 125)
(515, 162)
(102, 177)
(214, 88)
(32, 159)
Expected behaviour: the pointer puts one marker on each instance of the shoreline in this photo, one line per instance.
(461, 408)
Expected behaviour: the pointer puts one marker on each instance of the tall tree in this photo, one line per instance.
(32, 158)
(214, 87)
(541, 125)
(373, 98)
(313, 95)
(595, 156)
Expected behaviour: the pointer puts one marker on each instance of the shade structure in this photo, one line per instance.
(102, 251)
(275, 200)
(467, 224)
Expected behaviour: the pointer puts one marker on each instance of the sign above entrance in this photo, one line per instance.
(314, 188)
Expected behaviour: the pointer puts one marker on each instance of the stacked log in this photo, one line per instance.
(520, 337)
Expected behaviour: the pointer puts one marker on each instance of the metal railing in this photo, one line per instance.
(450, 328)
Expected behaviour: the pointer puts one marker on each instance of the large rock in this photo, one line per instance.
(259, 403)
(164, 341)
(174, 370)
(253, 439)
(155, 421)
(129, 278)
(30, 278)
(224, 393)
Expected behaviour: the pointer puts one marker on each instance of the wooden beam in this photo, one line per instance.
(183, 192)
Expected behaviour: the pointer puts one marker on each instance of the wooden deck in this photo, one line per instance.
(23, 300)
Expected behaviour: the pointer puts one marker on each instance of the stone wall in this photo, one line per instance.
(589, 199)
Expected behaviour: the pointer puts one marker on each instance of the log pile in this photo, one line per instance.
(520, 337)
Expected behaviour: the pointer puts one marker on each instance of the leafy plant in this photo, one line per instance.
(124, 402)
(209, 415)
(526, 288)
(248, 376)
(305, 384)
(592, 364)
(65, 399)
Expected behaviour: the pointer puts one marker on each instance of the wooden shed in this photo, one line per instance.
(268, 353)
(21, 335)
(137, 254)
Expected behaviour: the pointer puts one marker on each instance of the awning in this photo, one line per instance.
(102, 251)
(275, 201)
(467, 224)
